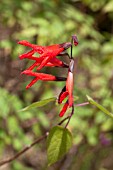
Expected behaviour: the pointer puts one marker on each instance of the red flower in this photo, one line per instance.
(47, 57)
(41, 76)
(67, 90)
(48, 54)
(52, 63)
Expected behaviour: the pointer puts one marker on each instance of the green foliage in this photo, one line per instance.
(59, 142)
(8, 103)
(109, 7)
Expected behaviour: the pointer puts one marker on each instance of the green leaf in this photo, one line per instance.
(91, 101)
(59, 142)
(38, 104)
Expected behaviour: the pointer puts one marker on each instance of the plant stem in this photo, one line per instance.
(72, 112)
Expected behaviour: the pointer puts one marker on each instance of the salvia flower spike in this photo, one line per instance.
(47, 57)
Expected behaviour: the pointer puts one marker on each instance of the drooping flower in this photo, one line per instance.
(48, 54)
(67, 90)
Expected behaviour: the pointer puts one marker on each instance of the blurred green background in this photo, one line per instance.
(46, 22)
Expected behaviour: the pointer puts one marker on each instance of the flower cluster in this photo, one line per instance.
(48, 58)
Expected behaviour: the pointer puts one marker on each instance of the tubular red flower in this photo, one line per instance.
(47, 53)
(27, 55)
(68, 89)
(70, 82)
(47, 57)
(36, 48)
(54, 62)
(52, 52)
(41, 76)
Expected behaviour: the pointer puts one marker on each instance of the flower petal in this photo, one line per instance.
(32, 82)
(43, 63)
(27, 55)
(37, 48)
(33, 66)
(63, 96)
(41, 76)
(64, 109)
(25, 43)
